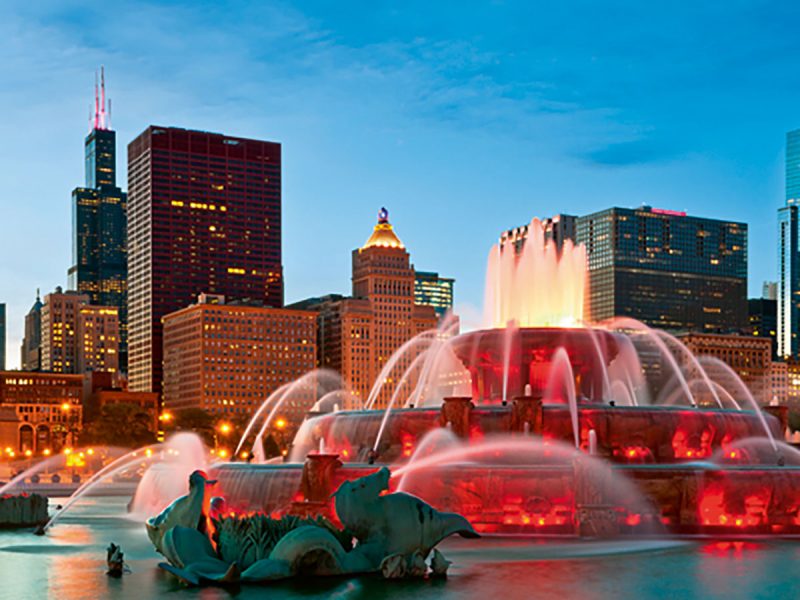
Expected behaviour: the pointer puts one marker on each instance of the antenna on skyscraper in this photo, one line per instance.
(102, 97)
(108, 120)
(96, 102)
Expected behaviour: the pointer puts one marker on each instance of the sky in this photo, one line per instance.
(463, 119)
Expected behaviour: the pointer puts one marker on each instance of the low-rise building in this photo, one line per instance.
(41, 412)
(102, 388)
(750, 357)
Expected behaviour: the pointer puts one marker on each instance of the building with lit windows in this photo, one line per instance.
(358, 335)
(40, 413)
(31, 349)
(204, 216)
(2, 336)
(432, 290)
(751, 359)
(666, 269)
(99, 224)
(227, 358)
(762, 315)
(77, 337)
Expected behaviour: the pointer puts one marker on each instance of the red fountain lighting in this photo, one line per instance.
(692, 447)
(714, 509)
(407, 442)
(634, 454)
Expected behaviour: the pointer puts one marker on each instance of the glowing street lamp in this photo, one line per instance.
(281, 423)
(65, 406)
(225, 428)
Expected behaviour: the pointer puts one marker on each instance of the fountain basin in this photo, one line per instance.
(643, 434)
(552, 499)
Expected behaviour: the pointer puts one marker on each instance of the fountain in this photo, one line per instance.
(540, 424)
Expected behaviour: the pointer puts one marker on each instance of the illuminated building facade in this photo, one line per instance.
(77, 337)
(2, 336)
(432, 290)
(666, 269)
(358, 335)
(204, 216)
(31, 349)
(39, 412)
(99, 224)
(228, 358)
(763, 320)
(749, 356)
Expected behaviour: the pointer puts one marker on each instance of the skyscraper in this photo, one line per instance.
(205, 217)
(433, 290)
(666, 269)
(2, 336)
(31, 350)
(358, 335)
(789, 253)
(99, 264)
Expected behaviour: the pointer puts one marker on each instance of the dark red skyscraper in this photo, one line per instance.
(204, 215)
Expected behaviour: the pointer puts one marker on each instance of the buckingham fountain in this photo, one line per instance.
(539, 424)
(538, 427)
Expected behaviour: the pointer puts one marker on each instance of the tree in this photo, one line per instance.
(122, 424)
(198, 421)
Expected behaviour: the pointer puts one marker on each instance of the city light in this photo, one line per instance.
(280, 423)
(165, 417)
(225, 428)
(223, 453)
(65, 406)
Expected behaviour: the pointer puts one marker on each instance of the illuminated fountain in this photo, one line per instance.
(540, 424)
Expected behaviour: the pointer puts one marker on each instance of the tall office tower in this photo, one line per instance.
(204, 217)
(358, 335)
(432, 290)
(666, 269)
(763, 320)
(226, 358)
(78, 337)
(789, 254)
(31, 350)
(2, 336)
(557, 229)
(99, 263)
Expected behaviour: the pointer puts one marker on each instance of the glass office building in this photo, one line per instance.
(435, 291)
(788, 292)
(204, 217)
(666, 269)
(99, 223)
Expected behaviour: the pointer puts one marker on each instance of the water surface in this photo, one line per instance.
(69, 563)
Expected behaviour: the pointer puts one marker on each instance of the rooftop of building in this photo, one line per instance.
(383, 235)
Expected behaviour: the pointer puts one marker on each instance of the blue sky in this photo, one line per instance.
(464, 119)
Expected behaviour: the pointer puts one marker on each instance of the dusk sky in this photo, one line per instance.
(462, 123)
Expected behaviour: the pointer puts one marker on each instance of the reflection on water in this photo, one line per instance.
(70, 563)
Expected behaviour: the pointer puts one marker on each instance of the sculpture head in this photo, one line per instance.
(353, 497)
(199, 479)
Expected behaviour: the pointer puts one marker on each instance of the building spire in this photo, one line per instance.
(101, 120)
